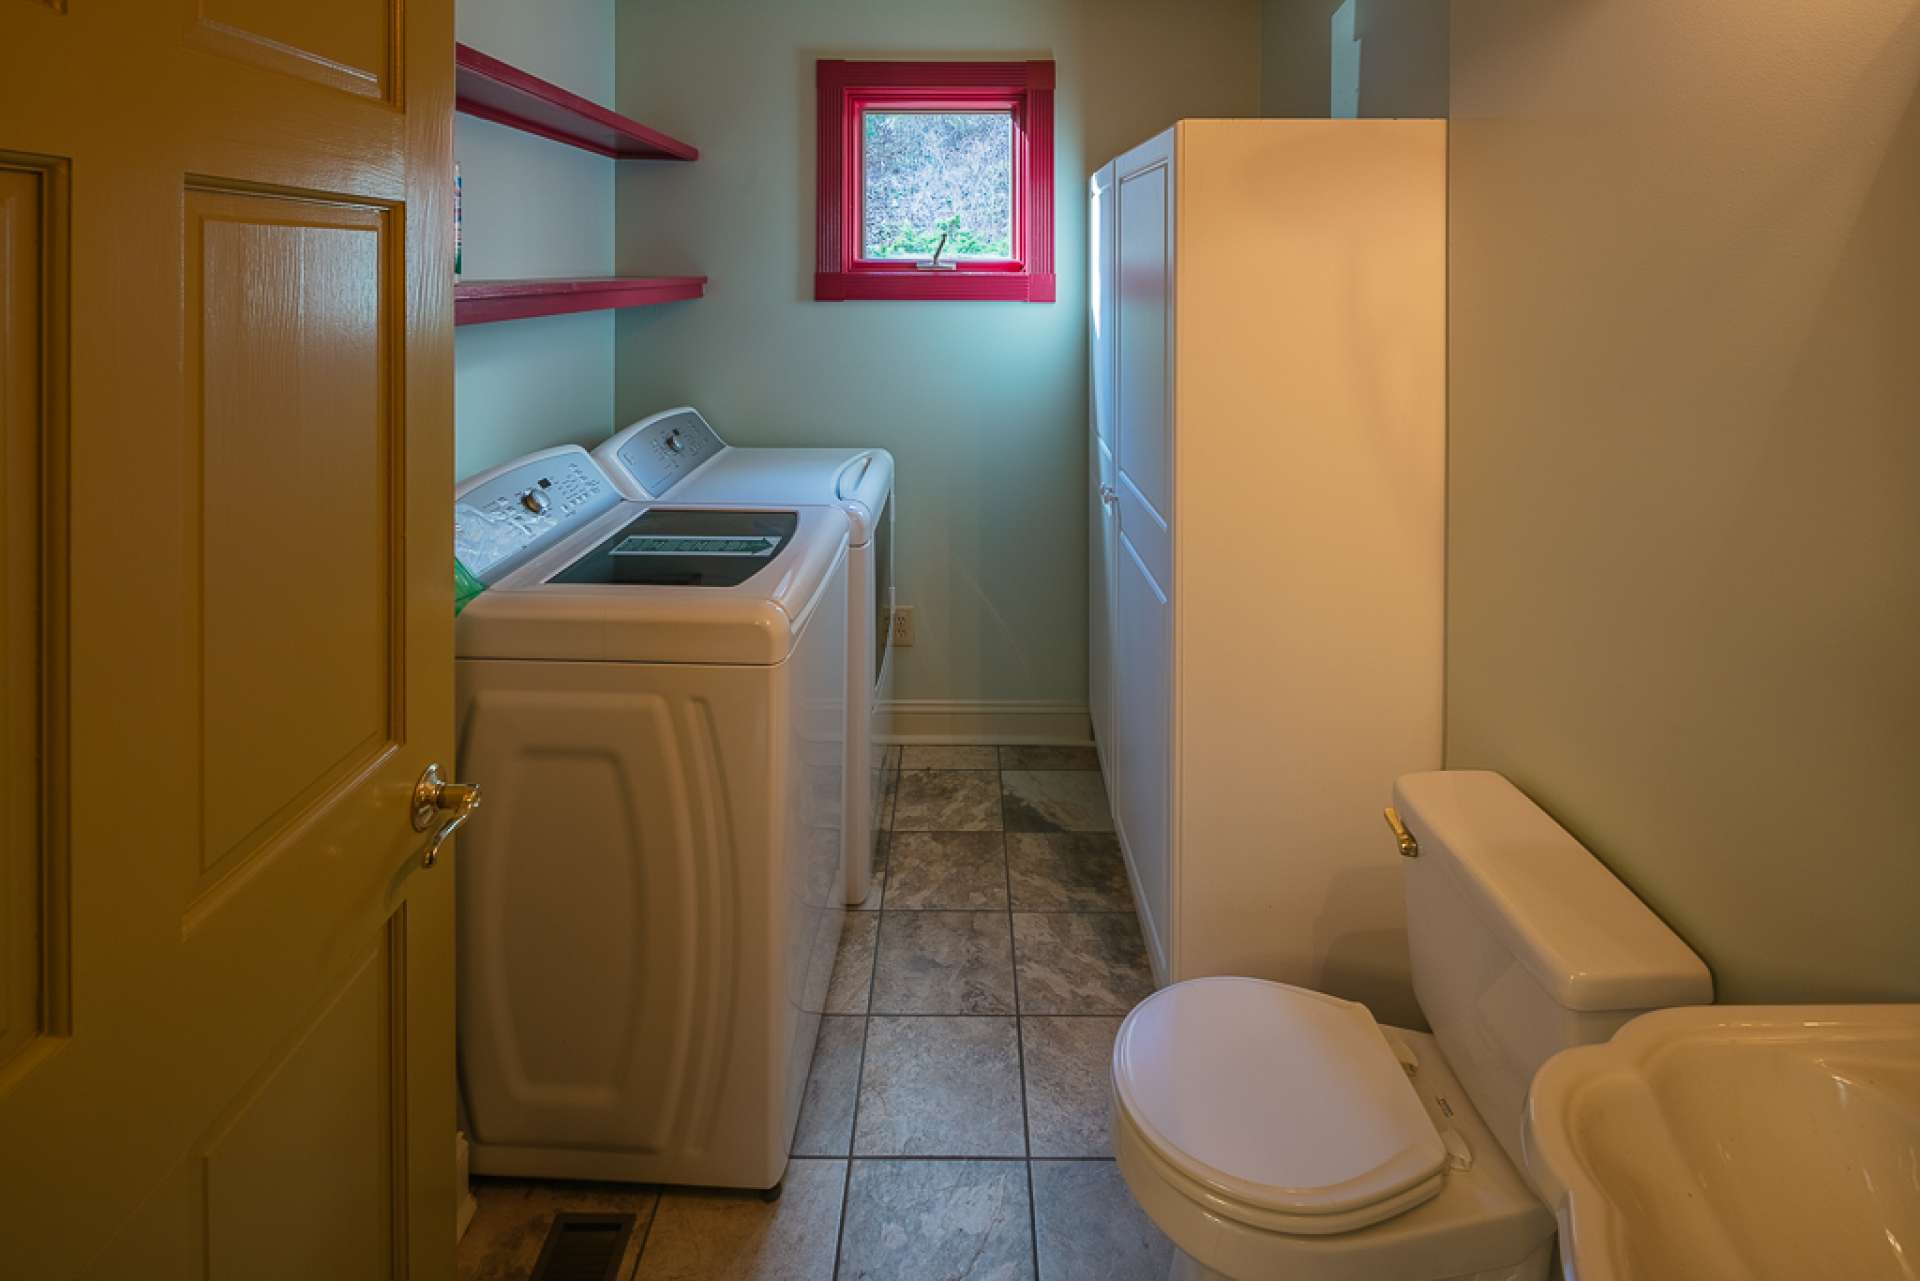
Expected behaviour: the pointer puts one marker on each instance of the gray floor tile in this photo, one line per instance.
(833, 1082)
(938, 800)
(715, 1236)
(1068, 872)
(943, 963)
(1069, 1071)
(890, 756)
(1056, 801)
(1049, 758)
(947, 870)
(937, 1221)
(940, 1087)
(948, 756)
(853, 964)
(503, 1241)
(1080, 963)
(1091, 1229)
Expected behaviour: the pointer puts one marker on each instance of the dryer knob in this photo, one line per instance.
(674, 442)
(536, 502)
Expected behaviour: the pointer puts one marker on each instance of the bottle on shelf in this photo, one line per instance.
(456, 221)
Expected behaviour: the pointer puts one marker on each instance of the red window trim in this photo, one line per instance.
(849, 88)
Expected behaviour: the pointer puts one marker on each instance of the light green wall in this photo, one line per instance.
(1684, 462)
(1402, 56)
(1684, 567)
(534, 208)
(1296, 57)
(984, 405)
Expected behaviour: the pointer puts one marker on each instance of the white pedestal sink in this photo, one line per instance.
(1736, 1143)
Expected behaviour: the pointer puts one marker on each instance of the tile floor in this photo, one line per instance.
(955, 1120)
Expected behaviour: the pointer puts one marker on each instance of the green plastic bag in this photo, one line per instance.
(465, 587)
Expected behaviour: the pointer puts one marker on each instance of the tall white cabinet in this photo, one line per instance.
(1267, 522)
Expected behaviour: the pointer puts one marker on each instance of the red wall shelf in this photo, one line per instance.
(480, 302)
(493, 90)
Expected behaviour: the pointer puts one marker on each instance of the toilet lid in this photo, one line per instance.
(1280, 1099)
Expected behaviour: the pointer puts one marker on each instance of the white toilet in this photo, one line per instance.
(1276, 1133)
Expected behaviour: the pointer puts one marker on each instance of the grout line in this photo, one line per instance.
(935, 1014)
(853, 1130)
(876, 1157)
(1019, 1030)
(1071, 911)
(1016, 911)
(646, 1230)
(866, 1030)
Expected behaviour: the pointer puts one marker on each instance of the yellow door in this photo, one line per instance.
(226, 980)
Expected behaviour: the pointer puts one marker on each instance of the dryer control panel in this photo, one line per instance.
(662, 449)
(504, 517)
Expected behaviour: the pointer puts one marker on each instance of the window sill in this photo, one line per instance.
(984, 286)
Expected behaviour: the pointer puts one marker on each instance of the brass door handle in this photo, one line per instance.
(433, 799)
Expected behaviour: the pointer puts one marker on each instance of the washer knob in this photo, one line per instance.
(674, 442)
(536, 502)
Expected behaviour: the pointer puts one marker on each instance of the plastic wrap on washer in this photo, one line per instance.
(465, 587)
(485, 539)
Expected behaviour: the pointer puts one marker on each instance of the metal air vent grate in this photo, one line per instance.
(583, 1247)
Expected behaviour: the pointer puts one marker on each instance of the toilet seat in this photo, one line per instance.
(1284, 1109)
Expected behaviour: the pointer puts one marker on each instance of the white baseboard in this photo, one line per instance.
(942, 720)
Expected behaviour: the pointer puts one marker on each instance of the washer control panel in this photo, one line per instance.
(667, 447)
(504, 517)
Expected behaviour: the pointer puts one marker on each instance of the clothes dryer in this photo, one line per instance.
(676, 456)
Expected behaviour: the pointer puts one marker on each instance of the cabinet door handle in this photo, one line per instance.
(1108, 496)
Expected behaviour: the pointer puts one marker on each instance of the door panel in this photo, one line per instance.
(331, 1099)
(346, 44)
(1101, 535)
(1102, 291)
(252, 618)
(1144, 237)
(293, 321)
(1142, 707)
(1101, 284)
(1143, 579)
(31, 872)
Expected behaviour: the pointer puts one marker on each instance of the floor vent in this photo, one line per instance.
(583, 1247)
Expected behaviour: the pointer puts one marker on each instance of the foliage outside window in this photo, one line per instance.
(929, 175)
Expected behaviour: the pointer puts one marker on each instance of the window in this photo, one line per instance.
(936, 180)
(936, 185)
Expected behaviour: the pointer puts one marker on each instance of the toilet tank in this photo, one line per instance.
(1523, 944)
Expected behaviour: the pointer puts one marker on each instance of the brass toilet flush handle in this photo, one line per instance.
(434, 797)
(1409, 848)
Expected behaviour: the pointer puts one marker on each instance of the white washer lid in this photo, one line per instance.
(858, 481)
(1283, 1100)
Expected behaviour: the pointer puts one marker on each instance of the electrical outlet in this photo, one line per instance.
(902, 626)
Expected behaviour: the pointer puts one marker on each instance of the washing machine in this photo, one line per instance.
(675, 455)
(654, 698)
